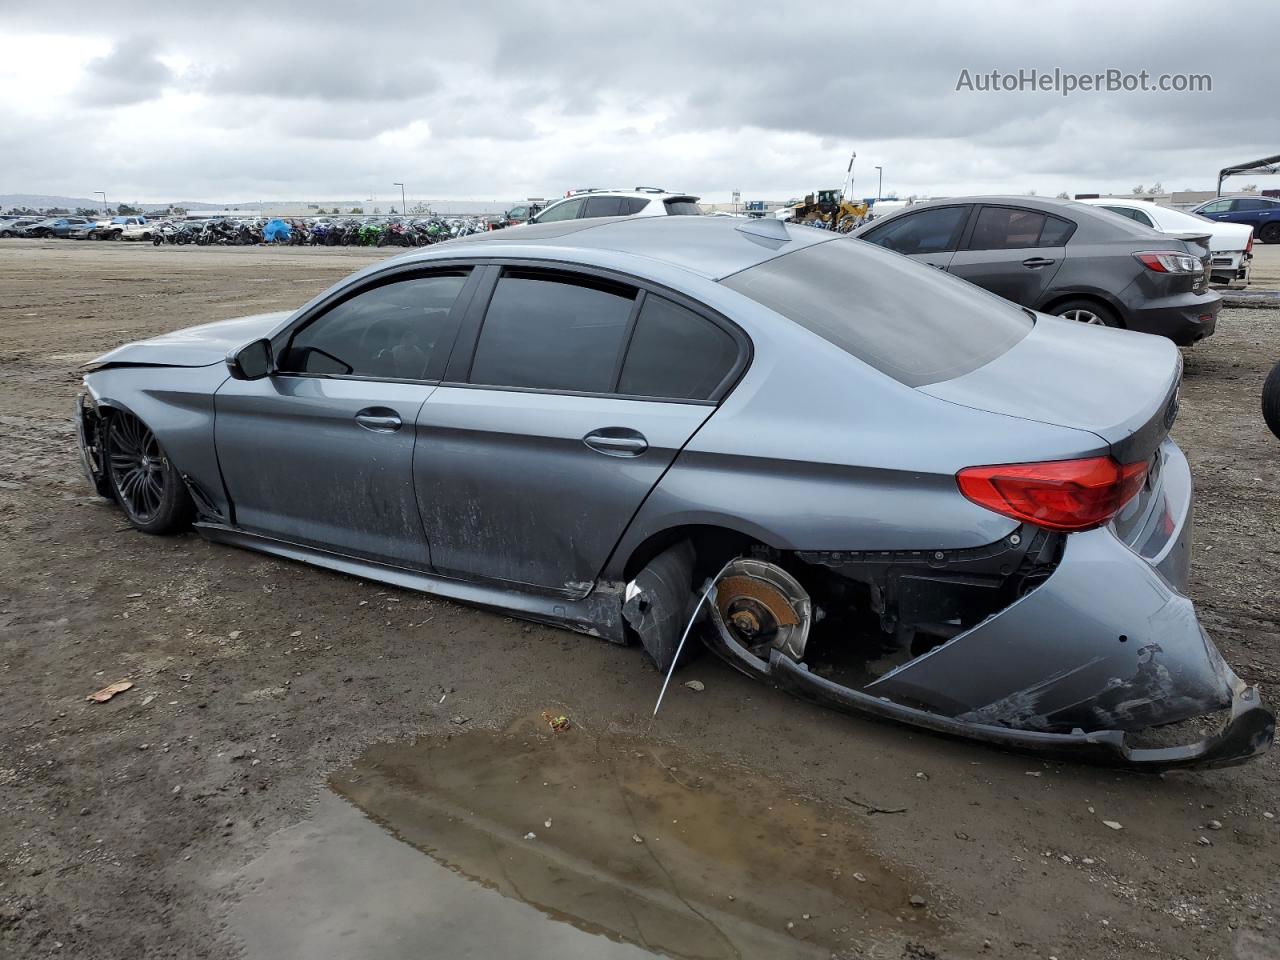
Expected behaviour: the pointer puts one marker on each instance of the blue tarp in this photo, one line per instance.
(276, 231)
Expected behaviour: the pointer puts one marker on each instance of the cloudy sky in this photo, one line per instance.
(222, 101)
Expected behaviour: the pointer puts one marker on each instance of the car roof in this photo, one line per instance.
(713, 247)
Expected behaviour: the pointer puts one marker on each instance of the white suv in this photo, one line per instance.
(640, 202)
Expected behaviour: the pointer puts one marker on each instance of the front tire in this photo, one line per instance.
(1087, 312)
(148, 487)
(1271, 400)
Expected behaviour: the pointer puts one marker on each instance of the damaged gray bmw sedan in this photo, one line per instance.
(871, 483)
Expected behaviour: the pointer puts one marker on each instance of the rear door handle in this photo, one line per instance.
(379, 419)
(1034, 262)
(616, 442)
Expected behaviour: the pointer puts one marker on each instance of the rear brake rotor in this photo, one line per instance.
(762, 606)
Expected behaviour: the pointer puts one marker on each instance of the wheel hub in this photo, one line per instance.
(762, 606)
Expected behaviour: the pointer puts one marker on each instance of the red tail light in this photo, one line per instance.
(1249, 246)
(1064, 495)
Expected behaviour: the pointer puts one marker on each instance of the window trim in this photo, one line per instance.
(958, 233)
(490, 269)
(311, 313)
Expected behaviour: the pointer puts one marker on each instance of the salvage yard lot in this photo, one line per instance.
(122, 825)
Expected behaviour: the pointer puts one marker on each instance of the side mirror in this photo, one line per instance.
(252, 362)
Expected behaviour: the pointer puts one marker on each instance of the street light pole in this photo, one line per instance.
(103, 195)
(879, 181)
(403, 209)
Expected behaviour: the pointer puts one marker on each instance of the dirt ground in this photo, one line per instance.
(255, 679)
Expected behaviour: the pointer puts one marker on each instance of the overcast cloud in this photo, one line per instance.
(502, 100)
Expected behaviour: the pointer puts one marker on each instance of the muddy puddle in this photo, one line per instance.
(532, 844)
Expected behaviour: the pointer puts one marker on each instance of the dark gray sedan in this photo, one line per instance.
(1064, 258)
(868, 482)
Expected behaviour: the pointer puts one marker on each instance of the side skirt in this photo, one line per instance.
(599, 614)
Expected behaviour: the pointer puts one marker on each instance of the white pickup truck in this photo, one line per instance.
(123, 228)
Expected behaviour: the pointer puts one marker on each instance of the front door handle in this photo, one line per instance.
(379, 419)
(1034, 262)
(616, 442)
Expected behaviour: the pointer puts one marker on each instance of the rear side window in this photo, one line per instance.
(1056, 230)
(1249, 203)
(916, 324)
(929, 231)
(1006, 228)
(400, 330)
(552, 332)
(603, 207)
(676, 354)
(633, 205)
(683, 208)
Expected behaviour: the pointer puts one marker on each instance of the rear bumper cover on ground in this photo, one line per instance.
(1104, 647)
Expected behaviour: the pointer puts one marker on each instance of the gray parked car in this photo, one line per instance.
(1064, 258)
(878, 486)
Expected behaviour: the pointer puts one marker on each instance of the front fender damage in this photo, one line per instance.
(1101, 648)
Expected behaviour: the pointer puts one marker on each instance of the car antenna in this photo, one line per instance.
(768, 228)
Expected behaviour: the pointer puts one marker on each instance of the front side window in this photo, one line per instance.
(676, 354)
(1218, 206)
(561, 211)
(1006, 228)
(553, 332)
(929, 231)
(401, 330)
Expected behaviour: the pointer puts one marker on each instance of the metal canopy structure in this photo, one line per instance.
(1267, 165)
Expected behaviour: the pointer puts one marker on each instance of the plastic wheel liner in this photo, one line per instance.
(1103, 647)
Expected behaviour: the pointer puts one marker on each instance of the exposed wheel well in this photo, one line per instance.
(1096, 300)
(712, 546)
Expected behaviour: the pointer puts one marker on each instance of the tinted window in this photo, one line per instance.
(1250, 204)
(603, 207)
(916, 324)
(632, 205)
(554, 332)
(561, 211)
(1006, 228)
(401, 330)
(675, 353)
(929, 231)
(1056, 232)
(683, 208)
(1218, 206)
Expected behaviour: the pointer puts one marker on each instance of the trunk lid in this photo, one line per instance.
(1118, 385)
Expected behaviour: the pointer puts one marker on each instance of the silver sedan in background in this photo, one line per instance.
(871, 483)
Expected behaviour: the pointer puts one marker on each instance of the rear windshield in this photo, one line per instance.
(683, 208)
(913, 322)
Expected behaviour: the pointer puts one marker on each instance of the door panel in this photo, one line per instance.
(324, 461)
(536, 488)
(1004, 255)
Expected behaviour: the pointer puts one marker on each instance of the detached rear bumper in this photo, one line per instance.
(1104, 647)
